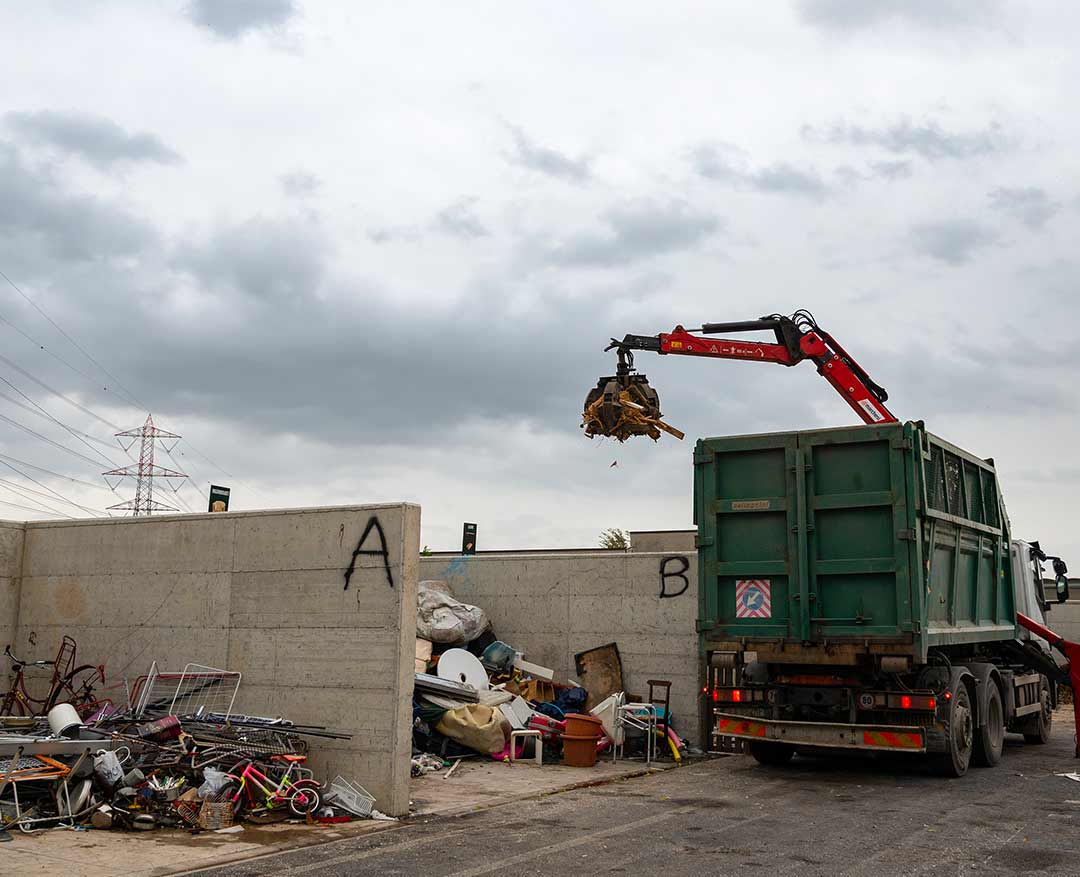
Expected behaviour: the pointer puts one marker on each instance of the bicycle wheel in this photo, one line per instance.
(77, 688)
(305, 796)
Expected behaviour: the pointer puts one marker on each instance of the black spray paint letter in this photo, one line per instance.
(382, 551)
(680, 573)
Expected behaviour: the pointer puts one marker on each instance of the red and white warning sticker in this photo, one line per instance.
(753, 598)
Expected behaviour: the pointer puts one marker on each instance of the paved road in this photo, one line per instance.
(728, 816)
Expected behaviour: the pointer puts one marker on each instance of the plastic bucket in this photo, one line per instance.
(579, 751)
(64, 721)
(578, 725)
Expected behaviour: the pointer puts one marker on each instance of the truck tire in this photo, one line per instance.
(990, 736)
(772, 754)
(1037, 728)
(960, 735)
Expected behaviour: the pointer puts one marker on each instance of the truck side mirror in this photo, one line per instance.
(1061, 579)
(1062, 589)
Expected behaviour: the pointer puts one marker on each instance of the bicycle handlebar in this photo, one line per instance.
(8, 654)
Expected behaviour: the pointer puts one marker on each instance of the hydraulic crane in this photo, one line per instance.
(623, 404)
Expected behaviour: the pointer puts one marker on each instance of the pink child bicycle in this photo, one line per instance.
(254, 790)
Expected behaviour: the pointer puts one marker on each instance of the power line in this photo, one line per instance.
(187, 481)
(57, 357)
(75, 343)
(54, 474)
(49, 440)
(41, 412)
(20, 492)
(54, 492)
(41, 493)
(218, 467)
(56, 392)
(28, 508)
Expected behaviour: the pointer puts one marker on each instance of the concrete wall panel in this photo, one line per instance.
(12, 536)
(262, 593)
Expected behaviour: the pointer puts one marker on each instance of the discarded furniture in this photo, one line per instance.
(641, 717)
(538, 745)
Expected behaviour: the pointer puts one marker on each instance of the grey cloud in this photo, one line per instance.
(385, 234)
(636, 231)
(299, 183)
(980, 381)
(952, 241)
(547, 161)
(891, 170)
(460, 220)
(38, 214)
(267, 259)
(856, 15)
(98, 140)
(1030, 205)
(782, 178)
(231, 19)
(718, 161)
(725, 163)
(927, 139)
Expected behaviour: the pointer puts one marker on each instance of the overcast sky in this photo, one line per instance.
(372, 252)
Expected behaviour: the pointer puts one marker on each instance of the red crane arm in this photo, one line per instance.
(797, 338)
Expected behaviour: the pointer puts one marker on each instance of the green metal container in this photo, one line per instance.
(825, 545)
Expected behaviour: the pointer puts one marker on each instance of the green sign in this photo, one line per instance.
(219, 499)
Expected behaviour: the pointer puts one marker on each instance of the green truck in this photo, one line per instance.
(858, 590)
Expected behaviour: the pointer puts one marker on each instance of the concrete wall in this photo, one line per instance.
(1064, 618)
(669, 541)
(11, 554)
(262, 593)
(554, 606)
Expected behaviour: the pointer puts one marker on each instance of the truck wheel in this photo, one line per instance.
(990, 738)
(773, 754)
(961, 733)
(1037, 727)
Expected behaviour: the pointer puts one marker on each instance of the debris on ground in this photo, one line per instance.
(479, 697)
(173, 754)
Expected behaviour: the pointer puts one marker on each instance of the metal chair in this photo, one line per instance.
(641, 717)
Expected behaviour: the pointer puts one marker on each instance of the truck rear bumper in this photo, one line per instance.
(875, 738)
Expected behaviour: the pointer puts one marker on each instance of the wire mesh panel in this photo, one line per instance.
(195, 691)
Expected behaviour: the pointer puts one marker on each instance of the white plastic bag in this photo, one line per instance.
(213, 782)
(442, 619)
(107, 767)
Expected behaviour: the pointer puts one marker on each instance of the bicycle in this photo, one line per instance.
(302, 795)
(67, 685)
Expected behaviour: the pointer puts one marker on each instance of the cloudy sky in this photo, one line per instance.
(372, 252)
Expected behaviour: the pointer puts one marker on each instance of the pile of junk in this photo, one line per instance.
(476, 696)
(171, 754)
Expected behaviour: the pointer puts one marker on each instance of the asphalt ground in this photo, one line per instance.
(816, 816)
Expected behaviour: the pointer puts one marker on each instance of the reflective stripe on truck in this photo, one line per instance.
(827, 734)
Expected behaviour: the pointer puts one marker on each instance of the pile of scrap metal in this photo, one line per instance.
(176, 756)
(477, 696)
(624, 405)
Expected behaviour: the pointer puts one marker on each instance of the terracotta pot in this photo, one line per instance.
(579, 725)
(579, 751)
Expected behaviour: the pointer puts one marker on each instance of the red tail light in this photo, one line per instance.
(905, 702)
(736, 696)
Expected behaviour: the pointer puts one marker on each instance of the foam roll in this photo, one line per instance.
(64, 721)
(722, 659)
